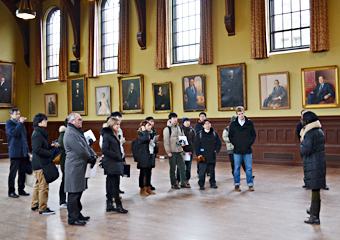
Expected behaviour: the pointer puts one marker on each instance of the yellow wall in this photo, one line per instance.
(12, 50)
(227, 50)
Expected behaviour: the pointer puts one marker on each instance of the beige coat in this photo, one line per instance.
(170, 141)
(230, 147)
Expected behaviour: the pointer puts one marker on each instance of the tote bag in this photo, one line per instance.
(50, 172)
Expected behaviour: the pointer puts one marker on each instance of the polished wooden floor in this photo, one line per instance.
(276, 210)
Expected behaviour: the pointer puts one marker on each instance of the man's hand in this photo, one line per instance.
(190, 153)
(200, 156)
(276, 98)
(22, 119)
(326, 97)
(183, 143)
(169, 154)
(311, 92)
(163, 105)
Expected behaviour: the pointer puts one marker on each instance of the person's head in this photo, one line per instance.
(14, 113)
(151, 120)
(77, 85)
(160, 89)
(309, 117)
(173, 118)
(103, 95)
(276, 83)
(202, 116)
(50, 99)
(321, 79)
(2, 79)
(114, 124)
(117, 115)
(186, 122)
(303, 112)
(192, 82)
(66, 122)
(75, 119)
(231, 73)
(206, 124)
(132, 86)
(145, 125)
(240, 112)
(40, 120)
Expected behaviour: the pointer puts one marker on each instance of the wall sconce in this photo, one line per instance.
(25, 10)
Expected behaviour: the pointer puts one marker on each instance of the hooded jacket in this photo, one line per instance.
(206, 144)
(145, 158)
(170, 142)
(113, 161)
(242, 137)
(62, 130)
(198, 126)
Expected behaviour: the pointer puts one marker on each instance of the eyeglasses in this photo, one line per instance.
(79, 119)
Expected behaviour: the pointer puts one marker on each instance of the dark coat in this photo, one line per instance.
(113, 161)
(198, 126)
(17, 139)
(191, 136)
(40, 148)
(209, 143)
(144, 158)
(314, 161)
(242, 137)
(62, 130)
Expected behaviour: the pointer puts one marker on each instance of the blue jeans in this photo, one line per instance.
(248, 161)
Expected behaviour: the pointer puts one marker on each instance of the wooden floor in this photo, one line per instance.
(276, 210)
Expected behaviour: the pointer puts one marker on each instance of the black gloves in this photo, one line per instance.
(90, 142)
(93, 160)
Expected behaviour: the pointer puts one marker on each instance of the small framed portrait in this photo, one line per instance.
(51, 105)
(320, 87)
(194, 94)
(7, 84)
(77, 94)
(231, 86)
(162, 97)
(274, 90)
(131, 93)
(103, 100)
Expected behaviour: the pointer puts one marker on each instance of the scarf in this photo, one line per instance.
(309, 127)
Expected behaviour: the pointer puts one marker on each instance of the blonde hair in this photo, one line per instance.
(111, 122)
(239, 109)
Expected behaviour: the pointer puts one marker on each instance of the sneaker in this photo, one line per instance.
(47, 211)
(251, 188)
(63, 205)
(237, 188)
(175, 186)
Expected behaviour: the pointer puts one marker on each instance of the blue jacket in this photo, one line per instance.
(17, 139)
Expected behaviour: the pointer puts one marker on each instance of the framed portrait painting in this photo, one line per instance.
(77, 94)
(103, 100)
(51, 105)
(162, 97)
(274, 90)
(194, 93)
(320, 87)
(231, 86)
(7, 84)
(131, 93)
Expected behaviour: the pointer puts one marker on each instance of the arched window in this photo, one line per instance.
(109, 35)
(52, 43)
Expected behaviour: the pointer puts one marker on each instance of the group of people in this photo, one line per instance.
(202, 141)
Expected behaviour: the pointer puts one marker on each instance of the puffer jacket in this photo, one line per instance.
(313, 151)
(208, 144)
(225, 136)
(113, 161)
(170, 142)
(191, 136)
(145, 158)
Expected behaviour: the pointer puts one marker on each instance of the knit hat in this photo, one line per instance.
(172, 114)
(38, 119)
(310, 117)
(185, 119)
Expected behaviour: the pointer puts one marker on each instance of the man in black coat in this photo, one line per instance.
(242, 135)
(199, 124)
(207, 144)
(18, 152)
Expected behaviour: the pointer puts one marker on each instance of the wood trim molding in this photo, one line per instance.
(229, 18)
(141, 13)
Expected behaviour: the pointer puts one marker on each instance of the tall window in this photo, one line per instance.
(185, 30)
(289, 24)
(109, 35)
(52, 43)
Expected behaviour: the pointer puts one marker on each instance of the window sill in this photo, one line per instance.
(107, 73)
(289, 51)
(183, 64)
(50, 80)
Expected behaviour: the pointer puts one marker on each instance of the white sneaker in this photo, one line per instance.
(64, 205)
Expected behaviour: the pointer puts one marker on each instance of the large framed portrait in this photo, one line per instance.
(103, 100)
(7, 84)
(231, 86)
(320, 87)
(274, 90)
(131, 93)
(51, 105)
(77, 94)
(162, 97)
(194, 93)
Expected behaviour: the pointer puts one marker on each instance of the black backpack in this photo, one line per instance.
(135, 150)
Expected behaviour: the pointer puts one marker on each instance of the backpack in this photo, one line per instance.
(170, 130)
(135, 150)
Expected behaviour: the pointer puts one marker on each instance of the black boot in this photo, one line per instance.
(120, 209)
(309, 210)
(315, 213)
(109, 206)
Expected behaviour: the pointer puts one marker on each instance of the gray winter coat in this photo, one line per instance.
(78, 154)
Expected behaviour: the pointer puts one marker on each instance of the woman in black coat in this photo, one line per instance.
(312, 147)
(112, 164)
(146, 158)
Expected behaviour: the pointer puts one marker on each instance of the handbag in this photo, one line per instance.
(30, 179)
(200, 159)
(29, 167)
(126, 170)
(50, 172)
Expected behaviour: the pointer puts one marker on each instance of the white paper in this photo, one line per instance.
(155, 139)
(89, 135)
(91, 172)
(183, 138)
(186, 157)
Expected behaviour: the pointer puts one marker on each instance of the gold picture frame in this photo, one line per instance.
(51, 104)
(77, 94)
(232, 88)
(313, 94)
(274, 91)
(162, 97)
(131, 94)
(7, 84)
(194, 93)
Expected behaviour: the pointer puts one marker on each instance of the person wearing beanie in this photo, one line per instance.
(41, 156)
(190, 148)
(174, 149)
(153, 134)
(312, 148)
